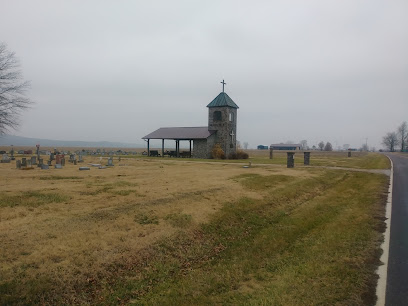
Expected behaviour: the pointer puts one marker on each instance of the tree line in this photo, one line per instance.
(398, 139)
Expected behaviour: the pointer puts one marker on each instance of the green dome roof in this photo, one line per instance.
(222, 100)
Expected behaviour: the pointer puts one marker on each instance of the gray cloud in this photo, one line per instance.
(317, 70)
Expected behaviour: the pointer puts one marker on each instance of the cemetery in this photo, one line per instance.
(78, 234)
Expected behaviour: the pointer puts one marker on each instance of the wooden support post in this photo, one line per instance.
(178, 148)
(162, 147)
(148, 147)
(270, 152)
(190, 148)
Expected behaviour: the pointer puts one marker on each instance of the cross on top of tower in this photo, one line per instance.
(223, 83)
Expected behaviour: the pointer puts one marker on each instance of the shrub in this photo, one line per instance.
(242, 155)
(238, 155)
(217, 152)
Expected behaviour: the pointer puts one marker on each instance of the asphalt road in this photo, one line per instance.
(397, 275)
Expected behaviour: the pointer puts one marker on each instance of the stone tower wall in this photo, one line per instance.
(224, 128)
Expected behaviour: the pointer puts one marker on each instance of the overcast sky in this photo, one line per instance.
(117, 70)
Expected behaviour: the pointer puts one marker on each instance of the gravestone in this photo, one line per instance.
(349, 154)
(306, 160)
(24, 162)
(80, 160)
(49, 162)
(84, 168)
(12, 154)
(45, 167)
(38, 151)
(291, 159)
(270, 152)
(40, 162)
(110, 162)
(5, 158)
(33, 160)
(51, 156)
(58, 166)
(18, 164)
(63, 161)
(75, 161)
(58, 158)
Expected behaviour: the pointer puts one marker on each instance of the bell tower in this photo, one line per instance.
(222, 118)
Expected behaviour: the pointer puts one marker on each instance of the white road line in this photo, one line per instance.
(385, 246)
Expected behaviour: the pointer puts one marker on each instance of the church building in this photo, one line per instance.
(221, 129)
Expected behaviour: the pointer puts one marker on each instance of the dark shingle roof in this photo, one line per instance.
(200, 132)
(222, 100)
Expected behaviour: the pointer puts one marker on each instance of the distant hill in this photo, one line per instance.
(8, 140)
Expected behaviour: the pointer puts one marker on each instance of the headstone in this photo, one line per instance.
(12, 154)
(51, 156)
(72, 158)
(38, 151)
(40, 162)
(45, 167)
(49, 162)
(75, 162)
(5, 158)
(33, 160)
(80, 160)
(291, 159)
(270, 152)
(349, 154)
(306, 161)
(63, 161)
(24, 162)
(84, 168)
(110, 162)
(58, 166)
(18, 164)
(58, 158)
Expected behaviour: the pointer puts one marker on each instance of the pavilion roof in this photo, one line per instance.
(181, 133)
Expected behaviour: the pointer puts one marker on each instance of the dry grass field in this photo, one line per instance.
(167, 231)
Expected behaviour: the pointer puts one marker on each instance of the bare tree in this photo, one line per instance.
(403, 135)
(303, 144)
(13, 90)
(246, 145)
(328, 146)
(390, 141)
(321, 145)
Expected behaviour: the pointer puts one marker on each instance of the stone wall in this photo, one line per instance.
(200, 148)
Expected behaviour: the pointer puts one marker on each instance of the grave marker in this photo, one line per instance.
(5, 158)
(306, 160)
(270, 152)
(24, 162)
(291, 159)
(33, 160)
(18, 164)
